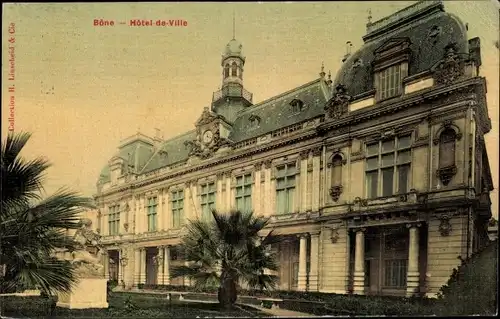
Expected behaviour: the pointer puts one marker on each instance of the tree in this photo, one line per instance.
(228, 251)
(32, 228)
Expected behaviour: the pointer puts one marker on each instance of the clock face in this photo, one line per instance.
(208, 136)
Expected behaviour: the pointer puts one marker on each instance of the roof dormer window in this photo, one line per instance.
(388, 82)
(254, 121)
(391, 67)
(297, 105)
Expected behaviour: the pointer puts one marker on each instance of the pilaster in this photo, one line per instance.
(302, 284)
(316, 178)
(314, 263)
(359, 262)
(304, 155)
(413, 276)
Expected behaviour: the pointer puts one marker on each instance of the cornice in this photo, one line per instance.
(392, 106)
(245, 153)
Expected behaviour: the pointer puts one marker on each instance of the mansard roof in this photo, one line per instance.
(275, 113)
(427, 27)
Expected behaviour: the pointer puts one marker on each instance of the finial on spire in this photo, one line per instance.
(322, 73)
(329, 81)
(369, 16)
(234, 26)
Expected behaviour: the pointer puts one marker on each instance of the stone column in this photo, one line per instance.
(314, 263)
(256, 191)
(316, 178)
(302, 263)
(137, 266)
(121, 274)
(166, 265)
(304, 155)
(359, 262)
(106, 264)
(413, 277)
(144, 266)
(159, 266)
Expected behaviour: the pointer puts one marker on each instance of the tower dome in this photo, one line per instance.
(233, 48)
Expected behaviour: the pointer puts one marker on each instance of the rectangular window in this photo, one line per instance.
(387, 167)
(395, 273)
(285, 188)
(244, 193)
(208, 192)
(177, 202)
(389, 82)
(152, 213)
(114, 220)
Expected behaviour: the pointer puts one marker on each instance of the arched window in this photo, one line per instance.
(447, 148)
(234, 69)
(337, 170)
(226, 71)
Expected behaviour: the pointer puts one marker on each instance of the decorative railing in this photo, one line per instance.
(246, 143)
(401, 14)
(232, 91)
(287, 130)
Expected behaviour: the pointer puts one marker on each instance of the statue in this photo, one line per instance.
(90, 270)
(88, 256)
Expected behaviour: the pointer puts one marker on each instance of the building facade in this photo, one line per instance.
(377, 180)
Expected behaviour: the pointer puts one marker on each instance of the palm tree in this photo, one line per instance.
(32, 228)
(227, 251)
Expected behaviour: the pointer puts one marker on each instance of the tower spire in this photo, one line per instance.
(322, 73)
(234, 26)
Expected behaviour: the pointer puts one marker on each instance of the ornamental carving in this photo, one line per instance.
(450, 68)
(447, 124)
(445, 174)
(205, 149)
(338, 105)
(445, 226)
(334, 234)
(206, 117)
(304, 154)
(335, 192)
(267, 163)
(317, 151)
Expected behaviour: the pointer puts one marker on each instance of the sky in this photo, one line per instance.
(81, 89)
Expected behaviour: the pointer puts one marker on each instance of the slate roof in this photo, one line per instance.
(274, 113)
(426, 50)
(135, 154)
(174, 149)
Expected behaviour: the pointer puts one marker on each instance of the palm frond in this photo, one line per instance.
(21, 179)
(48, 275)
(60, 210)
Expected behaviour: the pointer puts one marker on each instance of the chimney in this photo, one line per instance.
(348, 51)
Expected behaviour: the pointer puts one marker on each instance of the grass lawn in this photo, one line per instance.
(122, 305)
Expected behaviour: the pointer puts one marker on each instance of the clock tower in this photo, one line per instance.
(232, 97)
(212, 132)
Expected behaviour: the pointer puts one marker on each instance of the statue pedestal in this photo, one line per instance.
(87, 293)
